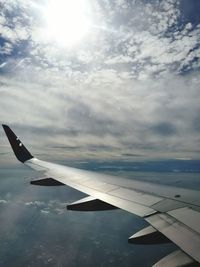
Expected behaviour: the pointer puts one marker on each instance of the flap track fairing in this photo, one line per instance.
(90, 204)
(148, 235)
(46, 182)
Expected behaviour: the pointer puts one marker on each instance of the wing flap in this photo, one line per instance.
(135, 196)
(187, 216)
(174, 259)
(179, 233)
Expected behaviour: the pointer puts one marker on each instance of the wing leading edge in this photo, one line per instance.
(173, 212)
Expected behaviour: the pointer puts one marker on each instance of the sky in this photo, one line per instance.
(88, 81)
(103, 80)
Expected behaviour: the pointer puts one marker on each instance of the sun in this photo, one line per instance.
(66, 21)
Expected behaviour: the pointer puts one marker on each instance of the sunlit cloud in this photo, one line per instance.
(65, 22)
(108, 78)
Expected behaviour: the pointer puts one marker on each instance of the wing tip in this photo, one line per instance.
(19, 149)
(5, 126)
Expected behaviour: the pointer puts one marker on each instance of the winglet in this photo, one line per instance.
(19, 149)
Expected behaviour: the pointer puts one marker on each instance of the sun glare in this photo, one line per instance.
(66, 21)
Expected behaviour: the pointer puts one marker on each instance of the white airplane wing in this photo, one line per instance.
(173, 213)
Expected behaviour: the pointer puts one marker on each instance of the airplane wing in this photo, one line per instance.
(173, 213)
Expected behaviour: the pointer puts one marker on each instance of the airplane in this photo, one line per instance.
(173, 214)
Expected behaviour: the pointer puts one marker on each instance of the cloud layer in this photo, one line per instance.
(130, 87)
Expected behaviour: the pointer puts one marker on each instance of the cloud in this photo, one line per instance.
(44, 211)
(50, 207)
(53, 206)
(5, 49)
(150, 38)
(130, 88)
(3, 201)
(164, 128)
(3, 64)
(36, 203)
(98, 115)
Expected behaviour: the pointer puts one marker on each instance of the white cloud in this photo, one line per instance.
(120, 89)
(3, 201)
(44, 211)
(35, 203)
(52, 206)
(108, 110)
(3, 65)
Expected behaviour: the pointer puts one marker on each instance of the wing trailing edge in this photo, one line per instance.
(176, 259)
